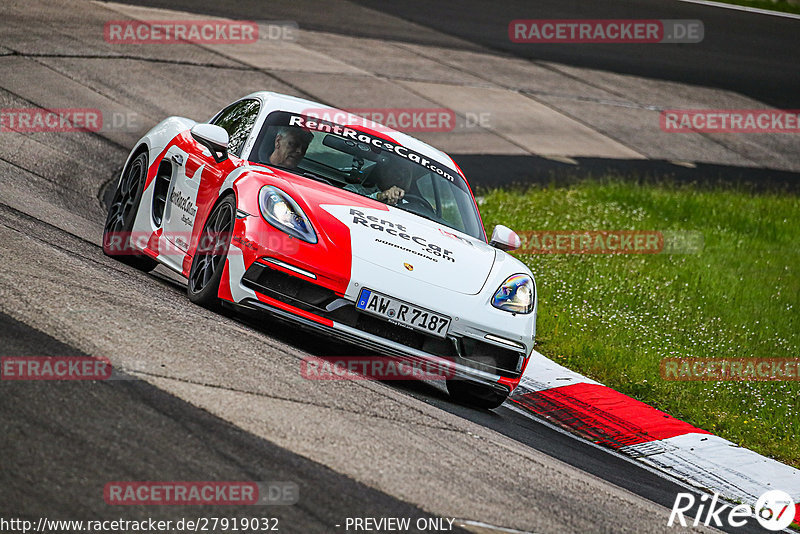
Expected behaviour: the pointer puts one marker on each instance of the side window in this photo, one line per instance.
(238, 120)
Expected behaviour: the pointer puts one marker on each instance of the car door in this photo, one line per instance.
(198, 176)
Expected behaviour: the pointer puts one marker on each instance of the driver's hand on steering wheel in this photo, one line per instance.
(392, 195)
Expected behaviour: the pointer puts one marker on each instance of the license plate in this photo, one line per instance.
(399, 312)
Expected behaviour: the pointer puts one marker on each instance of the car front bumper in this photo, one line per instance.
(297, 299)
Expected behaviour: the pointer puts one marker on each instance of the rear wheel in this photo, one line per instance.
(475, 394)
(122, 213)
(212, 251)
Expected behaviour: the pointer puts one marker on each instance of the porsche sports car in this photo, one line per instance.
(335, 224)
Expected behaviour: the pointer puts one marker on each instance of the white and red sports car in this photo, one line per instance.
(336, 224)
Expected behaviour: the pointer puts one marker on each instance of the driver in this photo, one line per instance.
(291, 143)
(389, 184)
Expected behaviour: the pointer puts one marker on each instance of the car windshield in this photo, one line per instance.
(367, 164)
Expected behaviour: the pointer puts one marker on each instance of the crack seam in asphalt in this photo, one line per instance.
(304, 402)
(23, 215)
(525, 95)
(94, 134)
(245, 66)
(33, 55)
(56, 183)
(529, 94)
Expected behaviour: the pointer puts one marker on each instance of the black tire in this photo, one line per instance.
(475, 395)
(122, 213)
(212, 251)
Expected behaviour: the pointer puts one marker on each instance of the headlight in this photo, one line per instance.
(281, 211)
(515, 295)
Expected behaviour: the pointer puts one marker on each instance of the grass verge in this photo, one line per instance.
(614, 317)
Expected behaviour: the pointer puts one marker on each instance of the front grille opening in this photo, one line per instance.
(392, 332)
(287, 288)
(491, 358)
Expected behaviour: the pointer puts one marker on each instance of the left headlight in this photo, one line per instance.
(281, 211)
(516, 295)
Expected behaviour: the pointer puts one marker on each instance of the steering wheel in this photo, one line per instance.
(417, 201)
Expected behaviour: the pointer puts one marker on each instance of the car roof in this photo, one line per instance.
(278, 101)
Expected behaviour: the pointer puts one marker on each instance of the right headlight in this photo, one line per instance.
(515, 295)
(282, 212)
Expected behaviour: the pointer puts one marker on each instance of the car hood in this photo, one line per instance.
(414, 247)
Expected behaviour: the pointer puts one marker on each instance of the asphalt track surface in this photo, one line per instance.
(751, 54)
(741, 52)
(62, 442)
(72, 438)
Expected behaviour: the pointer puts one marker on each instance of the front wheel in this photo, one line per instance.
(212, 251)
(475, 394)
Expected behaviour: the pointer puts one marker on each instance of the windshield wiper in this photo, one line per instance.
(437, 221)
(315, 176)
(302, 172)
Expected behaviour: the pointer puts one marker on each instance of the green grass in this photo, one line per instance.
(613, 318)
(777, 5)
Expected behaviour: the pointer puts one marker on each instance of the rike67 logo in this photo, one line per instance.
(774, 510)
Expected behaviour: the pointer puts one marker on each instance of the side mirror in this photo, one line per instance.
(213, 137)
(505, 238)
